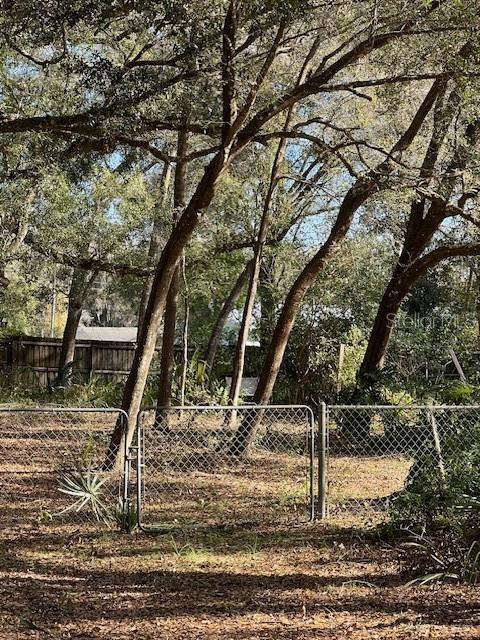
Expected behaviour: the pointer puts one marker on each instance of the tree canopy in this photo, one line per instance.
(334, 145)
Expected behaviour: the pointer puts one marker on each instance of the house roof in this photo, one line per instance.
(107, 334)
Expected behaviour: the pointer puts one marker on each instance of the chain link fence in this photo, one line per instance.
(216, 466)
(54, 468)
(374, 452)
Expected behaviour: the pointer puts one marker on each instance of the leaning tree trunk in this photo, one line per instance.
(228, 306)
(156, 239)
(167, 362)
(167, 359)
(423, 222)
(164, 272)
(239, 360)
(381, 332)
(267, 303)
(273, 360)
(358, 431)
(421, 228)
(79, 288)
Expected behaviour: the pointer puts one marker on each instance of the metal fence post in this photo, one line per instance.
(311, 447)
(140, 466)
(126, 503)
(322, 462)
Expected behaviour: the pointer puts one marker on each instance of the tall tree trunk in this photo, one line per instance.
(154, 249)
(421, 228)
(167, 358)
(167, 361)
(186, 321)
(239, 360)
(353, 200)
(295, 296)
(164, 272)
(228, 306)
(267, 302)
(382, 328)
(283, 328)
(79, 288)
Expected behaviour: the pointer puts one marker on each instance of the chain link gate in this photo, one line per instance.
(219, 466)
(369, 454)
(55, 468)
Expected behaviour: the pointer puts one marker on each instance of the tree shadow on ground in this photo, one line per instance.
(63, 580)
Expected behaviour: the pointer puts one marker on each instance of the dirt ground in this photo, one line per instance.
(279, 580)
(297, 583)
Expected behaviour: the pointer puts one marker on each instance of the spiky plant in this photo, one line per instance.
(86, 489)
(447, 560)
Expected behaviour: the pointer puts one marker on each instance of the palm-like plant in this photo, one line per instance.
(86, 488)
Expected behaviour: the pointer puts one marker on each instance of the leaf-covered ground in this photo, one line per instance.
(286, 584)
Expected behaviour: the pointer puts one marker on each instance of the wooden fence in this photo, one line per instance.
(36, 359)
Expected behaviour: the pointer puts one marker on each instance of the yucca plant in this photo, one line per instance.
(86, 489)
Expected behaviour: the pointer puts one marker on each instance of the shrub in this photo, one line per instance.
(440, 508)
(458, 392)
(86, 491)
(434, 498)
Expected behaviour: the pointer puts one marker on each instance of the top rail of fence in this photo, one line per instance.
(404, 406)
(224, 407)
(60, 409)
(241, 407)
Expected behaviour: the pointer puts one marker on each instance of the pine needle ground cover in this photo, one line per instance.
(303, 582)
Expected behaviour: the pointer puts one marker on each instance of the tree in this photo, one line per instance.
(235, 137)
(79, 288)
(226, 310)
(356, 196)
(136, 92)
(95, 218)
(156, 237)
(239, 360)
(445, 196)
(167, 361)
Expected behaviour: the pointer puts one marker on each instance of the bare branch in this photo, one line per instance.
(39, 63)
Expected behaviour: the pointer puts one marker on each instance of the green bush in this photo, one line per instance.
(440, 508)
(458, 392)
(436, 496)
